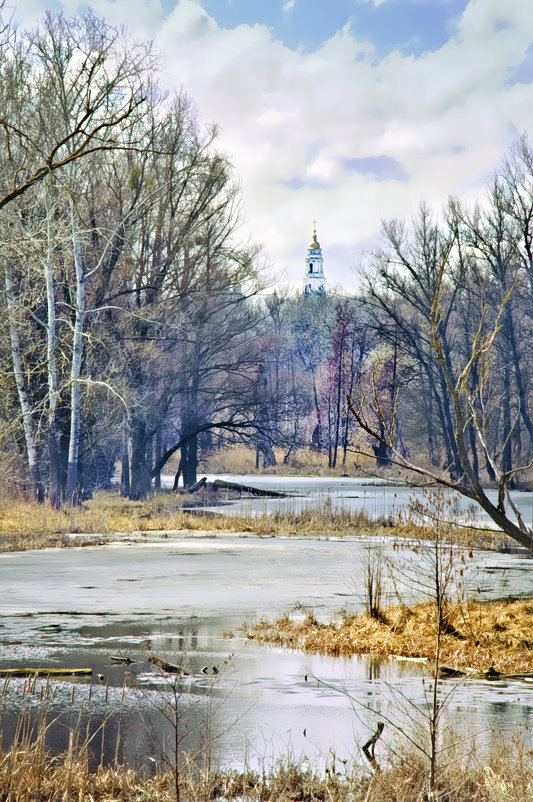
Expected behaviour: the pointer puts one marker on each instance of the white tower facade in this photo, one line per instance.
(314, 282)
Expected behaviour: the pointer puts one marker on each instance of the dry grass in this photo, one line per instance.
(239, 459)
(480, 634)
(27, 525)
(29, 773)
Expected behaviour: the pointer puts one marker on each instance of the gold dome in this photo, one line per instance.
(314, 243)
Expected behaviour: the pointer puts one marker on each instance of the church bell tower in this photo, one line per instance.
(314, 282)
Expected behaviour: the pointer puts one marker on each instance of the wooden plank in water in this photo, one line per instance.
(45, 672)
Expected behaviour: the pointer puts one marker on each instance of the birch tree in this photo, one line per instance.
(25, 404)
(72, 88)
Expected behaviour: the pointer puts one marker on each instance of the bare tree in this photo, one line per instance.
(80, 65)
(433, 286)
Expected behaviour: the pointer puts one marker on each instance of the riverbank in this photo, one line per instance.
(27, 525)
(477, 635)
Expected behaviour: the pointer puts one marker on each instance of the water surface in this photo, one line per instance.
(177, 595)
(377, 498)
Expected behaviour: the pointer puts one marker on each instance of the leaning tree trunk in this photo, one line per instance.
(27, 423)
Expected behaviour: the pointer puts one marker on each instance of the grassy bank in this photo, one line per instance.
(33, 775)
(476, 635)
(28, 525)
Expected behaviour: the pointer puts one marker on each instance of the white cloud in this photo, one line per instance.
(302, 128)
(141, 15)
(288, 6)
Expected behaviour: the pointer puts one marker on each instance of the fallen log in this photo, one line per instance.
(45, 672)
(168, 668)
(116, 658)
(221, 484)
(448, 672)
(193, 488)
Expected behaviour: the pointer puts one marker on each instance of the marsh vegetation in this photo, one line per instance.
(30, 773)
(480, 635)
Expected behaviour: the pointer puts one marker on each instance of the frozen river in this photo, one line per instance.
(176, 596)
(376, 498)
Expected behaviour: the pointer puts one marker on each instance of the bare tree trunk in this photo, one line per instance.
(177, 476)
(53, 395)
(520, 384)
(149, 453)
(75, 370)
(140, 478)
(338, 406)
(27, 423)
(158, 452)
(189, 459)
(448, 428)
(354, 378)
(125, 470)
(269, 458)
(330, 423)
(473, 449)
(427, 400)
(319, 442)
(507, 457)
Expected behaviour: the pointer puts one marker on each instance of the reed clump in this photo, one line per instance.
(28, 773)
(239, 459)
(479, 635)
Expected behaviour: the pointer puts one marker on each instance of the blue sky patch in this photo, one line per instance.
(411, 26)
(297, 182)
(380, 168)
(523, 74)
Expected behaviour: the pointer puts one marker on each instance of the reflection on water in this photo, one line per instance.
(78, 608)
(373, 667)
(265, 701)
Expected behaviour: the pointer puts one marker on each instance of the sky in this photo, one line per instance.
(347, 112)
